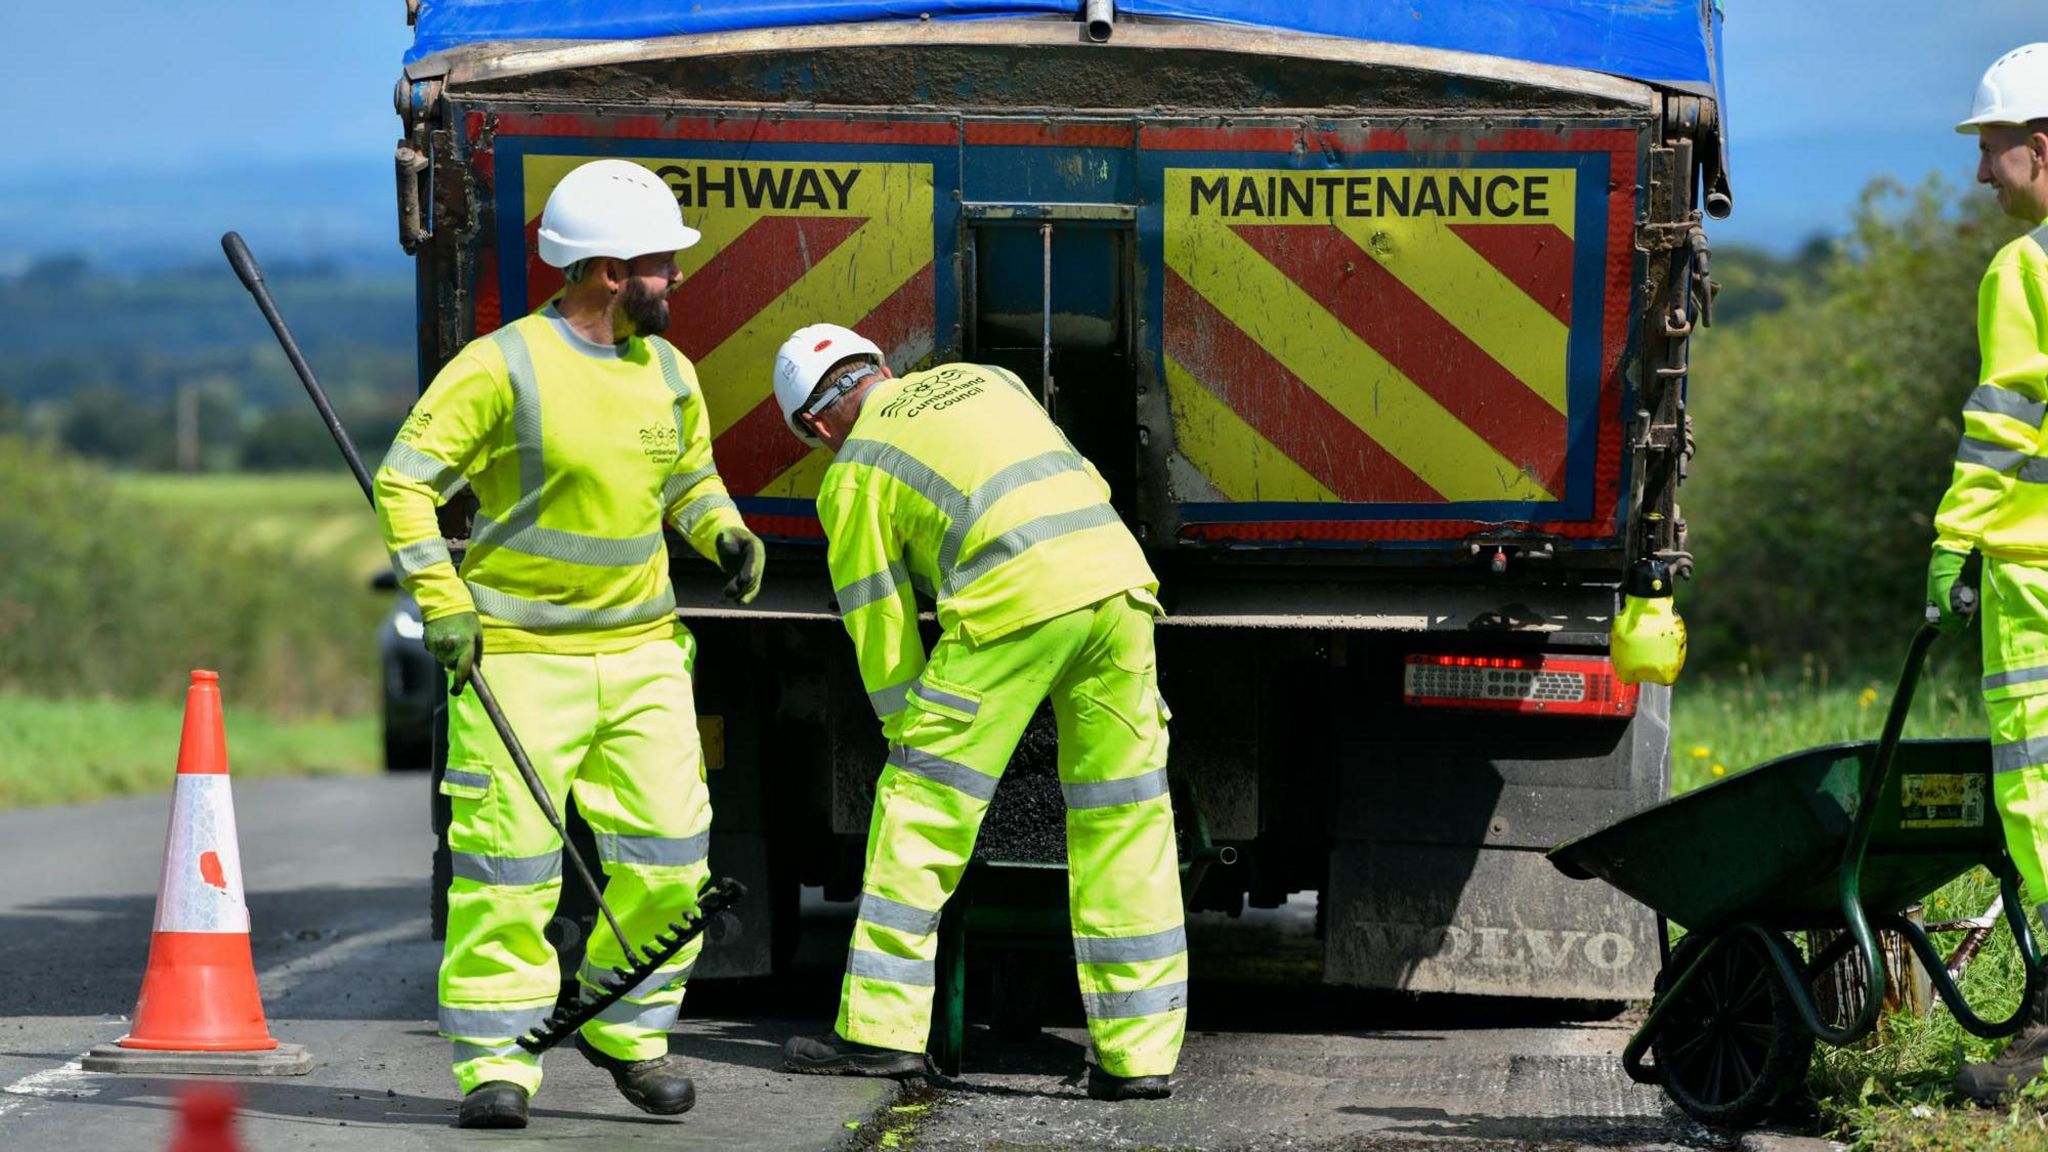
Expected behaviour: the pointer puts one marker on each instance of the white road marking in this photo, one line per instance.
(49, 1084)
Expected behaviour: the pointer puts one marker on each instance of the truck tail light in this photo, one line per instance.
(1550, 685)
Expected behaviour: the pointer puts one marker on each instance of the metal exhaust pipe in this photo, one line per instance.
(1099, 15)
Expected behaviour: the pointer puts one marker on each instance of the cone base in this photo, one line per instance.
(283, 1060)
(199, 995)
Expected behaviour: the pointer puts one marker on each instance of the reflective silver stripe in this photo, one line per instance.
(891, 700)
(2019, 754)
(958, 777)
(597, 977)
(1109, 793)
(895, 969)
(1130, 949)
(618, 848)
(918, 476)
(2006, 402)
(1985, 454)
(526, 424)
(508, 870)
(672, 373)
(1010, 479)
(873, 589)
(694, 512)
(2035, 470)
(895, 914)
(542, 614)
(2016, 676)
(944, 699)
(1014, 380)
(2040, 236)
(1141, 1002)
(466, 779)
(1029, 534)
(652, 1017)
(414, 464)
(465, 1052)
(419, 556)
(492, 1023)
(674, 488)
(526, 536)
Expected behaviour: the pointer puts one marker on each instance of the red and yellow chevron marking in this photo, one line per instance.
(1371, 336)
(785, 244)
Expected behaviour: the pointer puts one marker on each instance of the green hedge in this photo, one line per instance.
(1826, 433)
(102, 594)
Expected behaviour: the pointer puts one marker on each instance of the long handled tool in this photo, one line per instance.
(716, 896)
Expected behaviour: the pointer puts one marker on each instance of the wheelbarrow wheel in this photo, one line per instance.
(1732, 1042)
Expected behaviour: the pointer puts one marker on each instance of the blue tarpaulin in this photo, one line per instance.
(1668, 42)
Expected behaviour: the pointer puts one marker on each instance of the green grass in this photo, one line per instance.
(319, 518)
(66, 751)
(1893, 1092)
(1723, 724)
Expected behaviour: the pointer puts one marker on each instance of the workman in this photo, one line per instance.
(1997, 504)
(954, 482)
(581, 432)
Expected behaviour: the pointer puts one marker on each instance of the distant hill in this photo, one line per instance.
(147, 219)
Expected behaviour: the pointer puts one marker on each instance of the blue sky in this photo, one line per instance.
(185, 117)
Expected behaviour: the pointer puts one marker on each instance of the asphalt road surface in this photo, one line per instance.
(335, 871)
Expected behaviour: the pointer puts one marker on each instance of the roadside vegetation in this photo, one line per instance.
(1827, 408)
(111, 592)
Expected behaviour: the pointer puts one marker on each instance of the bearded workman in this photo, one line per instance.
(955, 483)
(581, 432)
(1997, 504)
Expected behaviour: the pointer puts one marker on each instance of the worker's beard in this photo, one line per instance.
(648, 310)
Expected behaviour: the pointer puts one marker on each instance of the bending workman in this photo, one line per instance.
(581, 431)
(1997, 504)
(955, 482)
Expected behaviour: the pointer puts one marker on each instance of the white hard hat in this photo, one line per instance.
(611, 208)
(802, 361)
(2014, 90)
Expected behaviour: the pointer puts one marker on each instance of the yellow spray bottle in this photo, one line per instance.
(1648, 638)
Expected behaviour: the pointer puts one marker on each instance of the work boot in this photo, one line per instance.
(649, 1085)
(1106, 1086)
(833, 1055)
(1995, 1081)
(493, 1104)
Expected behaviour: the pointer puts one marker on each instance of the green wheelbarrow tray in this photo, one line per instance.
(1840, 837)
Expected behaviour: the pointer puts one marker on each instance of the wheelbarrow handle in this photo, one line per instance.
(1874, 780)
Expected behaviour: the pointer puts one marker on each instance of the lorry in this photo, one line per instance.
(1373, 315)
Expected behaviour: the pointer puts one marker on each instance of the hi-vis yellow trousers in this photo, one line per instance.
(2014, 616)
(620, 731)
(967, 712)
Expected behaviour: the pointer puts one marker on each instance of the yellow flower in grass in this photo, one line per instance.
(1867, 698)
(1720, 770)
(1700, 752)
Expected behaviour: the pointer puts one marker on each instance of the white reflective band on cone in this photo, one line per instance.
(201, 889)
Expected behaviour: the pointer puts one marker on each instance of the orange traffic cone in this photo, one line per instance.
(206, 1121)
(199, 1010)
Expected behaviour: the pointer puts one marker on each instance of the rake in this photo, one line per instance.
(715, 897)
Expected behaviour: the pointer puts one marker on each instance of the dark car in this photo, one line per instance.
(412, 683)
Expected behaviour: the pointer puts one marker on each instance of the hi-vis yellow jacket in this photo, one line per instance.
(956, 483)
(577, 452)
(1998, 501)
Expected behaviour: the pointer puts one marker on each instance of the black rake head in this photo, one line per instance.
(716, 897)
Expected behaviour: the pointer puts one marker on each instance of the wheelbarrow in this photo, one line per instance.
(1842, 837)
